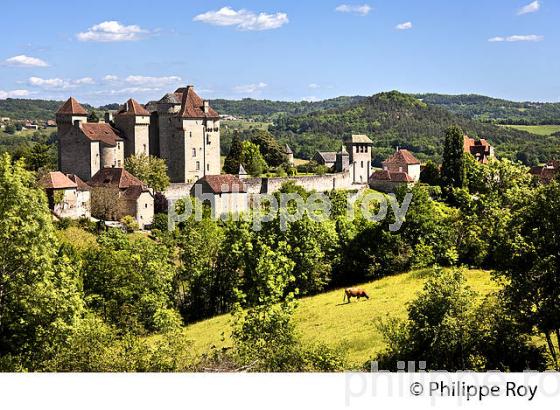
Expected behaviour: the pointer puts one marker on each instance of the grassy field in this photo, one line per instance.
(324, 318)
(245, 125)
(543, 130)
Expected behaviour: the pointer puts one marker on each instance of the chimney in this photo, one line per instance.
(206, 106)
(108, 117)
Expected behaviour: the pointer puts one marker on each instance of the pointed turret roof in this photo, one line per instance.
(241, 170)
(192, 106)
(287, 149)
(133, 107)
(72, 107)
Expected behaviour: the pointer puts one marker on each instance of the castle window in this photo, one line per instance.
(145, 149)
(198, 165)
(190, 133)
(194, 152)
(362, 164)
(208, 139)
(207, 167)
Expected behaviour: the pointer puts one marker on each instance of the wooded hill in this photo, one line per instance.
(489, 109)
(394, 119)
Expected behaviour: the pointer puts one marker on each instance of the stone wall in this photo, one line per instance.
(319, 183)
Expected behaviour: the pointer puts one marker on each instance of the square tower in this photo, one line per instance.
(359, 152)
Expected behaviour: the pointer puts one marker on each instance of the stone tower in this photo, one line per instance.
(70, 112)
(189, 135)
(289, 153)
(133, 120)
(359, 152)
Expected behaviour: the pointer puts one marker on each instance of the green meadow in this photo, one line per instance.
(324, 318)
(543, 130)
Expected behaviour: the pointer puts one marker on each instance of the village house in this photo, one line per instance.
(480, 149)
(546, 173)
(400, 169)
(227, 193)
(133, 197)
(68, 196)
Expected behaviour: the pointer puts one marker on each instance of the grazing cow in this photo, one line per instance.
(354, 293)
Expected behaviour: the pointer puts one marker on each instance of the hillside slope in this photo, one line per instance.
(496, 110)
(394, 119)
(324, 318)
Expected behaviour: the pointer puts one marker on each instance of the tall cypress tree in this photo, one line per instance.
(233, 159)
(453, 167)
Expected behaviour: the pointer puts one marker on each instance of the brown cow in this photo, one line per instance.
(354, 293)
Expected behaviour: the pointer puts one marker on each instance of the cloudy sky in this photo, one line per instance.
(108, 51)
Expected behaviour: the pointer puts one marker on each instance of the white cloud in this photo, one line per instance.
(313, 85)
(59, 83)
(310, 98)
(84, 81)
(13, 94)
(109, 77)
(109, 31)
(140, 80)
(25, 61)
(404, 26)
(529, 8)
(49, 82)
(516, 38)
(361, 10)
(250, 88)
(242, 19)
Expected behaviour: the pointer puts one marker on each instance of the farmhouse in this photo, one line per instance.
(67, 197)
(125, 194)
(228, 193)
(546, 173)
(480, 149)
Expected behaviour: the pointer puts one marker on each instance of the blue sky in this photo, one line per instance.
(108, 51)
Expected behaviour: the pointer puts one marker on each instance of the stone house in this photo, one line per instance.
(400, 169)
(226, 194)
(403, 161)
(480, 149)
(67, 198)
(387, 181)
(326, 158)
(133, 197)
(85, 148)
(546, 173)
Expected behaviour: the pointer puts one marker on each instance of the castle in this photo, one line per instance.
(181, 128)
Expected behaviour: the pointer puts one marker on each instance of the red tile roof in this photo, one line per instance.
(56, 180)
(133, 192)
(192, 106)
(133, 107)
(480, 149)
(114, 177)
(82, 186)
(391, 176)
(101, 132)
(402, 156)
(221, 184)
(73, 107)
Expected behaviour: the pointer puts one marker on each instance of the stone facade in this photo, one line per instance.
(181, 128)
(359, 156)
(67, 195)
(185, 131)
